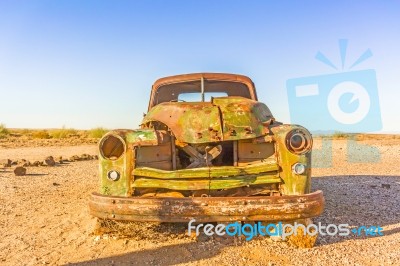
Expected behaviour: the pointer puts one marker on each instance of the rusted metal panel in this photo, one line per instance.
(248, 150)
(268, 165)
(226, 118)
(207, 209)
(153, 153)
(243, 118)
(212, 184)
(190, 122)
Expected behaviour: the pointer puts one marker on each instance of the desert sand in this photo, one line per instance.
(44, 217)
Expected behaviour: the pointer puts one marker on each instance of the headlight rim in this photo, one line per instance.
(307, 141)
(105, 137)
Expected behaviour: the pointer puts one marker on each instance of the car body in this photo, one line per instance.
(218, 156)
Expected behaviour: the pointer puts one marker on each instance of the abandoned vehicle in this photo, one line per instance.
(207, 149)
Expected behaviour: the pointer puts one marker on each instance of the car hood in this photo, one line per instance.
(225, 118)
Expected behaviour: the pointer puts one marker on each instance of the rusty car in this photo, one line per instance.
(208, 150)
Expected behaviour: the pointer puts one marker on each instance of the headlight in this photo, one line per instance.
(112, 147)
(298, 168)
(299, 141)
(113, 175)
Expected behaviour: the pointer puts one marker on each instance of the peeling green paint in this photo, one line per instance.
(292, 184)
(226, 118)
(204, 184)
(125, 164)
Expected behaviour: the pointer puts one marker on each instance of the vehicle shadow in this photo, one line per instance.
(165, 255)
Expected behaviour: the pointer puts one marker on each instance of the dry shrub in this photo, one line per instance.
(340, 135)
(4, 132)
(41, 134)
(97, 132)
(63, 133)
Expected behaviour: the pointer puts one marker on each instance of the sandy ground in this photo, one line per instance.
(44, 217)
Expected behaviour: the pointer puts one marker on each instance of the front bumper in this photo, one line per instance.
(207, 209)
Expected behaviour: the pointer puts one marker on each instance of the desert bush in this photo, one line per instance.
(97, 132)
(4, 132)
(63, 133)
(41, 134)
(339, 135)
(26, 132)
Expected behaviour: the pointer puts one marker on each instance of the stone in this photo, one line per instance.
(20, 171)
(60, 159)
(36, 163)
(49, 161)
(74, 158)
(85, 157)
(24, 163)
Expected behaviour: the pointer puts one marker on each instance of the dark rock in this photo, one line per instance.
(85, 157)
(49, 161)
(24, 163)
(60, 159)
(36, 163)
(386, 186)
(20, 171)
(74, 158)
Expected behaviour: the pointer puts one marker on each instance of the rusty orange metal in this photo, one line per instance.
(207, 209)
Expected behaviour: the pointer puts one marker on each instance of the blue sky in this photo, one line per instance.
(84, 64)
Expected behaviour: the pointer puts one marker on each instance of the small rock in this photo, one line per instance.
(49, 161)
(74, 158)
(60, 159)
(24, 163)
(5, 163)
(20, 171)
(386, 186)
(85, 157)
(36, 163)
(55, 184)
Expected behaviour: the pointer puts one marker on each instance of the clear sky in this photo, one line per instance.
(84, 64)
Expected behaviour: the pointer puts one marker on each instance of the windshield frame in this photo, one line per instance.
(245, 84)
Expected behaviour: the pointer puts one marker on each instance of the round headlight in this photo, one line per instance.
(113, 175)
(298, 168)
(299, 141)
(112, 147)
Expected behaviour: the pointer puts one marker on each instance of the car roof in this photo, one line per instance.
(208, 76)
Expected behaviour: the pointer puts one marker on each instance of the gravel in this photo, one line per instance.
(45, 220)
